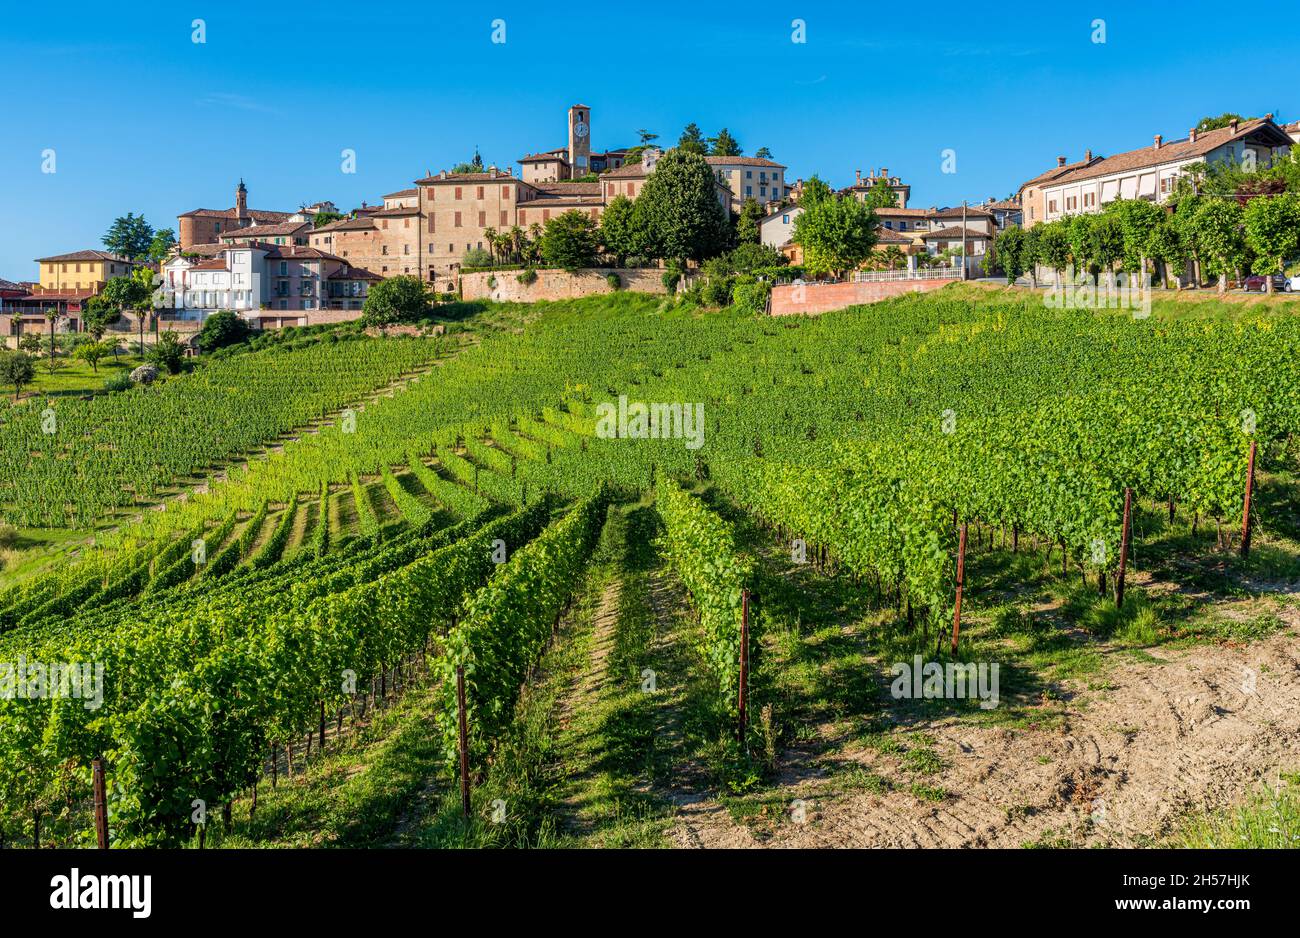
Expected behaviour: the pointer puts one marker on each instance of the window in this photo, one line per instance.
(1071, 203)
(406, 249)
(458, 193)
(1051, 206)
(284, 268)
(482, 219)
(479, 193)
(522, 219)
(384, 249)
(749, 174)
(1089, 199)
(504, 218)
(385, 224)
(431, 224)
(629, 189)
(451, 249)
(749, 190)
(505, 192)
(762, 190)
(457, 220)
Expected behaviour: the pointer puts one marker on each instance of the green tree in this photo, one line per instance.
(747, 231)
(749, 257)
(223, 328)
(321, 219)
(569, 241)
(398, 299)
(1218, 230)
(1137, 219)
(1166, 247)
(129, 236)
(836, 234)
(16, 370)
(164, 239)
(881, 195)
(678, 211)
(100, 312)
(1223, 120)
(815, 190)
(763, 153)
(618, 229)
(168, 353)
(646, 137)
(1186, 205)
(30, 342)
(1009, 249)
(1273, 233)
(692, 139)
(93, 352)
(724, 144)
(1031, 253)
(1078, 229)
(1054, 247)
(134, 293)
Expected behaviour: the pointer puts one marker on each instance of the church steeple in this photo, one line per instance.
(241, 199)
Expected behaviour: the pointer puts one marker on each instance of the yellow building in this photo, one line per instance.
(82, 270)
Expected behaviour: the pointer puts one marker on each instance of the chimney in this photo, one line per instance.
(1087, 156)
(1232, 125)
(1268, 116)
(884, 173)
(1159, 141)
(859, 180)
(1060, 161)
(1191, 135)
(443, 174)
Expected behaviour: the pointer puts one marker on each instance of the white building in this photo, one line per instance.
(1150, 172)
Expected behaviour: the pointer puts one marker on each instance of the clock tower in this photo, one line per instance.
(579, 140)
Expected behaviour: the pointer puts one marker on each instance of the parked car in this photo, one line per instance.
(1256, 283)
(1291, 284)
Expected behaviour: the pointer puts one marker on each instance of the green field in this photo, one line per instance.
(344, 524)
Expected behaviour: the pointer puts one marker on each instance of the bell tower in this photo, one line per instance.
(241, 200)
(579, 140)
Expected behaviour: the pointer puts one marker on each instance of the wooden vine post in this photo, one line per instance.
(1245, 511)
(463, 720)
(961, 581)
(101, 804)
(743, 700)
(1125, 534)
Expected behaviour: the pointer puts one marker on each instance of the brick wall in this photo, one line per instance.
(823, 297)
(556, 284)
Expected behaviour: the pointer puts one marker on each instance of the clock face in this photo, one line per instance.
(580, 129)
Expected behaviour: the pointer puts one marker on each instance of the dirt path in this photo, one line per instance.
(1194, 729)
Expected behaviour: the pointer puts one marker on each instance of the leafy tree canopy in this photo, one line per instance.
(129, 236)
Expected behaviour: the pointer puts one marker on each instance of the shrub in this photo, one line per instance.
(492, 282)
(750, 296)
(118, 382)
(671, 278)
(145, 374)
(716, 291)
(614, 281)
(528, 276)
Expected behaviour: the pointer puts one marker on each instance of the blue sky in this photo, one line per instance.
(143, 119)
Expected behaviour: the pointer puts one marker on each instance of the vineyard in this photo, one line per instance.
(570, 625)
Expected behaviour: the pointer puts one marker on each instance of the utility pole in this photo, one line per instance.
(963, 239)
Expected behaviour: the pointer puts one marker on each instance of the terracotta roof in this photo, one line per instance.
(1185, 149)
(214, 263)
(257, 231)
(542, 158)
(253, 213)
(741, 161)
(954, 231)
(345, 224)
(10, 286)
(405, 193)
(1058, 171)
(905, 212)
(57, 295)
(353, 273)
(955, 212)
(396, 210)
(298, 252)
(205, 250)
(468, 177)
(547, 202)
(626, 171)
(1010, 205)
(87, 256)
(888, 235)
